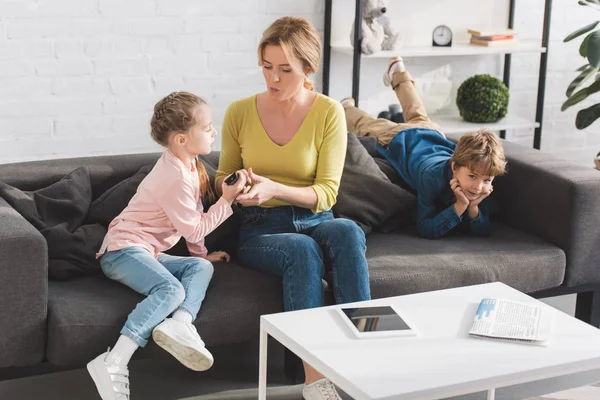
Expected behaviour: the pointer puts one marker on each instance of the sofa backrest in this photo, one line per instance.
(105, 171)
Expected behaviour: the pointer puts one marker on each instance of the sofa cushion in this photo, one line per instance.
(57, 211)
(365, 195)
(86, 315)
(402, 263)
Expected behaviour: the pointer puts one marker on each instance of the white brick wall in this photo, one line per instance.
(80, 77)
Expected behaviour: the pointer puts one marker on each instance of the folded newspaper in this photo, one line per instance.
(512, 320)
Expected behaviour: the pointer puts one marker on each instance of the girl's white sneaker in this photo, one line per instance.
(112, 380)
(183, 342)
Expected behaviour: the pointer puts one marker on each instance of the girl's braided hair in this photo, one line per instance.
(175, 113)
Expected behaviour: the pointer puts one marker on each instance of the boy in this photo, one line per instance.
(451, 181)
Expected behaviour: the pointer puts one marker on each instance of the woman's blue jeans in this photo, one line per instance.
(300, 246)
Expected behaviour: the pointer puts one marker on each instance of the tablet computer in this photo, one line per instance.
(376, 321)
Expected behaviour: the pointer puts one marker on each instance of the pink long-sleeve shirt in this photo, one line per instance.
(166, 206)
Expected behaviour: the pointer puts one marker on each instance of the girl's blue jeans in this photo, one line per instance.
(169, 282)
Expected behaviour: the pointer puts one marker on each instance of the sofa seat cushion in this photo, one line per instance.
(86, 315)
(402, 263)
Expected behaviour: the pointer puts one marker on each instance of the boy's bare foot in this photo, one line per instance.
(395, 65)
(348, 102)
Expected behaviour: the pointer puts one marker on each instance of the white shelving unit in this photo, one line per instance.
(452, 123)
(459, 49)
(455, 124)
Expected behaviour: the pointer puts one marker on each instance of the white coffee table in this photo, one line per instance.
(441, 361)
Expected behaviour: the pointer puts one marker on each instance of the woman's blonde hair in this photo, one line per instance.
(480, 150)
(298, 38)
(175, 114)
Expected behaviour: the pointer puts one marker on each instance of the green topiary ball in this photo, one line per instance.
(482, 98)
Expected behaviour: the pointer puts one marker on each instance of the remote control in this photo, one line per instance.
(231, 179)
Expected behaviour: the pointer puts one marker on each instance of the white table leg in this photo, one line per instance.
(491, 394)
(262, 365)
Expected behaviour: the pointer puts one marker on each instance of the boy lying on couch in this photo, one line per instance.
(451, 181)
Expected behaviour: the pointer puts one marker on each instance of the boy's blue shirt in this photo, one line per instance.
(422, 159)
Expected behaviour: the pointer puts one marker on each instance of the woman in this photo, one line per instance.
(290, 142)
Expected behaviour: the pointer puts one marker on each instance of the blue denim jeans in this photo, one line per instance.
(300, 246)
(169, 282)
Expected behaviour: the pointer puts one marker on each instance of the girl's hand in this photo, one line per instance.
(217, 256)
(263, 189)
(230, 192)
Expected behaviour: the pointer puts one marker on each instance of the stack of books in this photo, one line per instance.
(494, 38)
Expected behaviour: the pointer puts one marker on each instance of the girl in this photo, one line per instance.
(167, 206)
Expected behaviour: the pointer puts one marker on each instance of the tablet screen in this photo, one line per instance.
(375, 319)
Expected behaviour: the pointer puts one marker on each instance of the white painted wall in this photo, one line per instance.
(80, 77)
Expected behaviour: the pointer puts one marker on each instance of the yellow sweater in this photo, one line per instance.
(314, 157)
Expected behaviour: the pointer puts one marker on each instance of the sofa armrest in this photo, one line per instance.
(23, 290)
(558, 201)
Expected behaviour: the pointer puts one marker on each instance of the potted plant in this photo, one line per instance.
(482, 99)
(576, 92)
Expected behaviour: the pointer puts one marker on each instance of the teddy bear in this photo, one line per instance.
(377, 32)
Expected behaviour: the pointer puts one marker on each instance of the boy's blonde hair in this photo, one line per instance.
(297, 37)
(175, 114)
(480, 151)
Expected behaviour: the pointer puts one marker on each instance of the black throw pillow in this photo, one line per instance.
(58, 211)
(110, 203)
(366, 195)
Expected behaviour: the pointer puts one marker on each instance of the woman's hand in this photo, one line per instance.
(217, 256)
(263, 189)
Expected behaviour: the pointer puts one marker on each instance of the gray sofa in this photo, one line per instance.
(545, 242)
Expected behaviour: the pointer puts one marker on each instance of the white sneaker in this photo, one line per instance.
(322, 389)
(112, 381)
(183, 342)
(395, 64)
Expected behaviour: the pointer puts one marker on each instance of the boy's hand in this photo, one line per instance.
(482, 197)
(461, 200)
(217, 256)
(458, 192)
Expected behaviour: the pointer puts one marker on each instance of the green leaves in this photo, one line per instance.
(581, 95)
(593, 49)
(581, 31)
(583, 67)
(587, 116)
(590, 49)
(588, 2)
(587, 73)
(583, 46)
